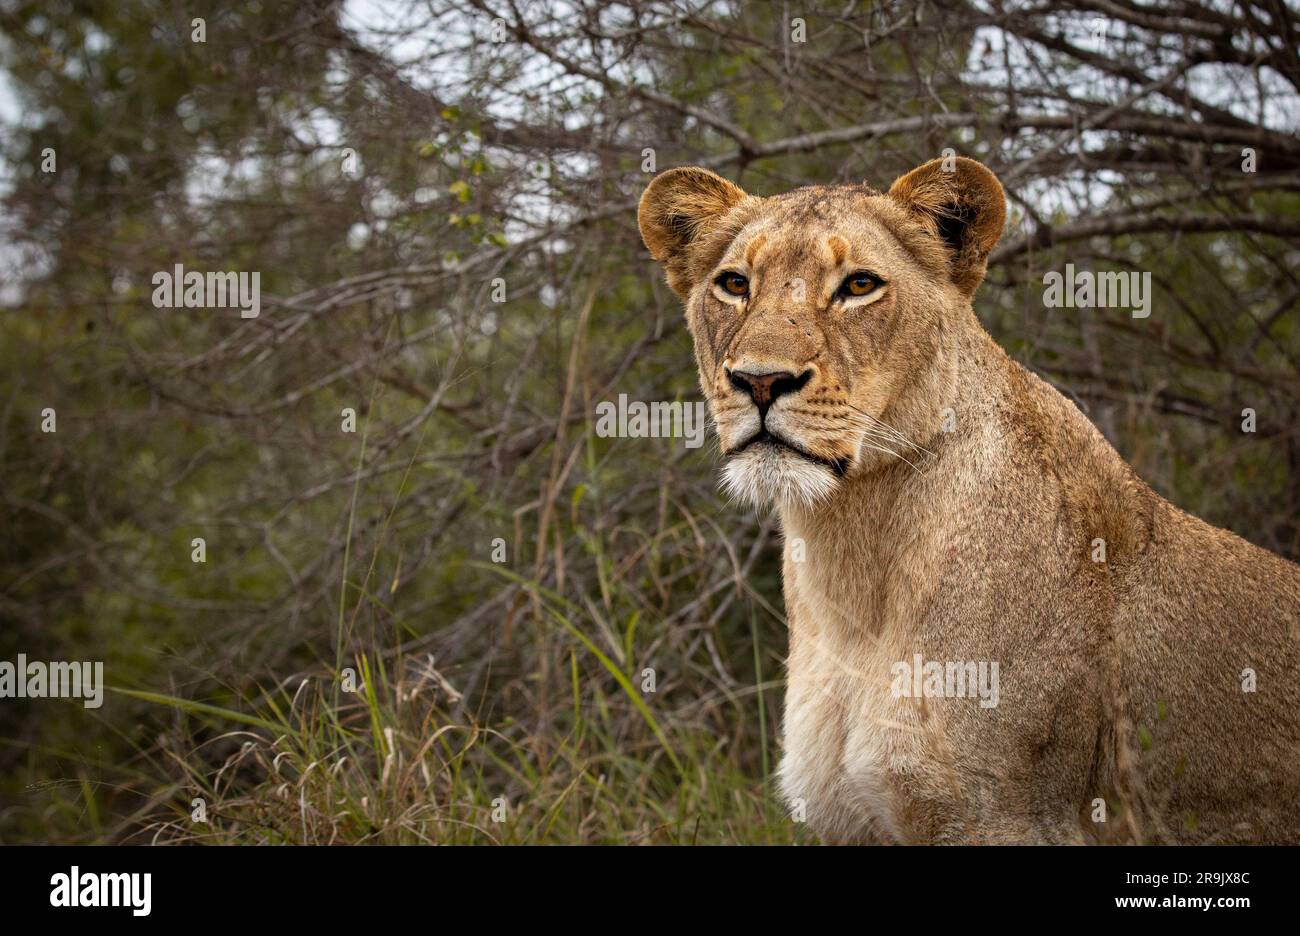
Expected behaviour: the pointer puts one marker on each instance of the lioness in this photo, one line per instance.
(945, 510)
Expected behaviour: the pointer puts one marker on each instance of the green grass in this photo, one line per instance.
(392, 764)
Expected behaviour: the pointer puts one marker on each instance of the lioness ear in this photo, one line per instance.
(678, 208)
(962, 203)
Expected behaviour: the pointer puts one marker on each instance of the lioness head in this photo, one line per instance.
(814, 311)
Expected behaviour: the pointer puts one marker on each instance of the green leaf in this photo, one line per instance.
(202, 708)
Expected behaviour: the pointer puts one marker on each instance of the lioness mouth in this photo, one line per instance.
(838, 465)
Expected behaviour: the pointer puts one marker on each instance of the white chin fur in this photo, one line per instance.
(763, 475)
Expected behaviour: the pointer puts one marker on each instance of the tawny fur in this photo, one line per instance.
(965, 529)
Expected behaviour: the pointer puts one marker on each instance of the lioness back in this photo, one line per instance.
(1208, 637)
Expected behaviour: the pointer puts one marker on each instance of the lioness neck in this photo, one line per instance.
(891, 524)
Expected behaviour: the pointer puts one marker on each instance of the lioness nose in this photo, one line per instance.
(763, 389)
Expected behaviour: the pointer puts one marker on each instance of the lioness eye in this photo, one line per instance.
(733, 284)
(860, 284)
